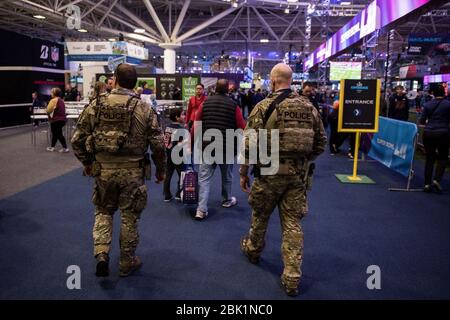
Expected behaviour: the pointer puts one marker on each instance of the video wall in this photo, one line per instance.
(345, 71)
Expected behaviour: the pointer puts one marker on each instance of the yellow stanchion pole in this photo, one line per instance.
(355, 162)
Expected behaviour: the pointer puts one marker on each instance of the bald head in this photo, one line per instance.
(281, 76)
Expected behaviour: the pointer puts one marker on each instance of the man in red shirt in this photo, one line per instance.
(194, 104)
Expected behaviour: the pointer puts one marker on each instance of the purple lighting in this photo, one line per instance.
(437, 78)
(377, 15)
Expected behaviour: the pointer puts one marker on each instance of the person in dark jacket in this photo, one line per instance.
(36, 105)
(56, 110)
(178, 119)
(218, 112)
(398, 105)
(436, 138)
(308, 91)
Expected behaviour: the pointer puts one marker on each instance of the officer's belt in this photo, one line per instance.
(121, 165)
(290, 167)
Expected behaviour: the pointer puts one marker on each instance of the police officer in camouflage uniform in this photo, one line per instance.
(111, 140)
(301, 139)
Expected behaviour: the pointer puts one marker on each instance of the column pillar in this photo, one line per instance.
(170, 56)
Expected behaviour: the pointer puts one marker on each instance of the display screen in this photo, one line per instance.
(345, 71)
(436, 78)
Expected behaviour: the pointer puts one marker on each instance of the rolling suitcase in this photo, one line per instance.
(189, 187)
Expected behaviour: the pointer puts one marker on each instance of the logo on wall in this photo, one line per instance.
(73, 14)
(44, 52)
(55, 54)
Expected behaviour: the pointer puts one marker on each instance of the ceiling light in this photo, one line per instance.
(292, 1)
(82, 30)
(264, 40)
(345, 3)
(286, 10)
(111, 39)
(138, 30)
(38, 16)
(140, 37)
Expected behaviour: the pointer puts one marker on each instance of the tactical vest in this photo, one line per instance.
(113, 123)
(295, 120)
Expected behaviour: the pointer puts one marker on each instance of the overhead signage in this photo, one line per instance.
(89, 48)
(434, 44)
(134, 51)
(47, 54)
(436, 78)
(92, 50)
(359, 105)
(377, 15)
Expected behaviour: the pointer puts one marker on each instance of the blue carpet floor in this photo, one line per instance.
(45, 229)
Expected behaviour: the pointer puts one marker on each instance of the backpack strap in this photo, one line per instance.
(275, 104)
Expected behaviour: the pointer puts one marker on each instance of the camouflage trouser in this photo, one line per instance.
(288, 193)
(124, 189)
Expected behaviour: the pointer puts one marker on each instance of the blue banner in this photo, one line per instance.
(393, 145)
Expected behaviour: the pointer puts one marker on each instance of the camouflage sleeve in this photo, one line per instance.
(84, 128)
(320, 137)
(156, 142)
(254, 123)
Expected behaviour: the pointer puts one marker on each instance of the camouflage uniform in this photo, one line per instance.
(301, 131)
(118, 172)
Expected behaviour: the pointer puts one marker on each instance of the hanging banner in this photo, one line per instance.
(89, 48)
(188, 87)
(359, 106)
(47, 54)
(429, 45)
(393, 145)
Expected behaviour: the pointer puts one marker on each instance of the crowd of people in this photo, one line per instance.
(227, 108)
(112, 144)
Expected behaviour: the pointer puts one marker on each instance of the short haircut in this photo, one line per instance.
(56, 92)
(126, 76)
(175, 113)
(307, 84)
(400, 87)
(439, 91)
(35, 92)
(110, 78)
(281, 73)
(200, 84)
(222, 86)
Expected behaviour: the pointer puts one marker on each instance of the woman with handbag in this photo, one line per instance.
(436, 138)
(56, 110)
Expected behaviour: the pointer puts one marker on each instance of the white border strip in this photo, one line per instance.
(22, 68)
(15, 127)
(15, 105)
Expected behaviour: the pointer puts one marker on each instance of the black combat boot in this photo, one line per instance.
(102, 269)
